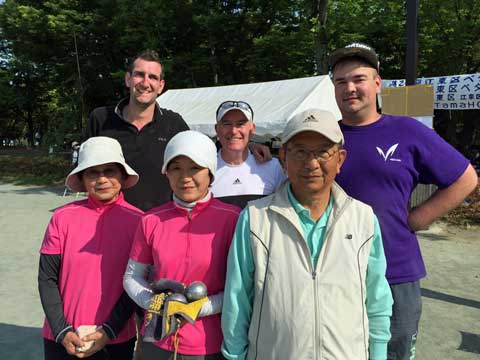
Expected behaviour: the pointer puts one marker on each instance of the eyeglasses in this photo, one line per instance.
(92, 174)
(233, 104)
(321, 155)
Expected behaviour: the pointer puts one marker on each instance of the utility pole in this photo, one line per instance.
(412, 42)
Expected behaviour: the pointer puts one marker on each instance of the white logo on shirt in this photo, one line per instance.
(389, 153)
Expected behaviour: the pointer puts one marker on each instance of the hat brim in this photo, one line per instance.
(334, 139)
(74, 183)
(192, 156)
(247, 114)
(345, 53)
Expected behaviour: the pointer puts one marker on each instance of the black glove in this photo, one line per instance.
(167, 285)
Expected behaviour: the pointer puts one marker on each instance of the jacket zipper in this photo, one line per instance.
(187, 255)
(315, 290)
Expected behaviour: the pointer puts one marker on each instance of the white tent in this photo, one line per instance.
(273, 102)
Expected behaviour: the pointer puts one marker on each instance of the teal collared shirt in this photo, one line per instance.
(313, 231)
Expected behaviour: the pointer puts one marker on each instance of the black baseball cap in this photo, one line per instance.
(356, 49)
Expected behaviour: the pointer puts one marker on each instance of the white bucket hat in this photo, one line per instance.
(194, 145)
(95, 151)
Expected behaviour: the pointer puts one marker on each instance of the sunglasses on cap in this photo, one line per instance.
(227, 105)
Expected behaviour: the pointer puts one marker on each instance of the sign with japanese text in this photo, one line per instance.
(456, 92)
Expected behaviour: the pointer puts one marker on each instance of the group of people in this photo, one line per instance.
(322, 262)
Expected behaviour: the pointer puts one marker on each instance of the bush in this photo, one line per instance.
(34, 169)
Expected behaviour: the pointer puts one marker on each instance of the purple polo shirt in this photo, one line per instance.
(385, 161)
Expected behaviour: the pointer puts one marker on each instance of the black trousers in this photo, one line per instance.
(122, 351)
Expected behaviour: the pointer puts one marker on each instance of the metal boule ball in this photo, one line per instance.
(196, 291)
(177, 297)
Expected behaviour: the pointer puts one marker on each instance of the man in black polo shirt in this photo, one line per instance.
(142, 128)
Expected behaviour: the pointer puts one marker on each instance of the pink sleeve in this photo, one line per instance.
(51, 244)
(141, 247)
(231, 230)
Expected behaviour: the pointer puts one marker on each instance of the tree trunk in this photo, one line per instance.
(470, 120)
(319, 12)
(213, 61)
(452, 129)
(30, 126)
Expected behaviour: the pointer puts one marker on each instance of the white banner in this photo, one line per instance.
(456, 92)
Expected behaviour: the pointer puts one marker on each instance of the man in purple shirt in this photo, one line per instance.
(387, 157)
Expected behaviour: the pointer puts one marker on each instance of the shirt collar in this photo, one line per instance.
(191, 205)
(124, 102)
(101, 206)
(193, 209)
(119, 108)
(304, 212)
(223, 162)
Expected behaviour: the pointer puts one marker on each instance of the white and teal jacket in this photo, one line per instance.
(299, 289)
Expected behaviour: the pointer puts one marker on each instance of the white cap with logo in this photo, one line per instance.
(316, 120)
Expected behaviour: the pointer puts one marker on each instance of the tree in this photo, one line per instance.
(449, 37)
(379, 24)
(65, 57)
(46, 73)
(319, 15)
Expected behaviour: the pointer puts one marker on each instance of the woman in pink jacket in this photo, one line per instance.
(185, 240)
(83, 258)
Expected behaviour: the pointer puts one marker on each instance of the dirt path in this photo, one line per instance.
(24, 214)
(450, 326)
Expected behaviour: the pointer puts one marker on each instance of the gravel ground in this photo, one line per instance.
(450, 325)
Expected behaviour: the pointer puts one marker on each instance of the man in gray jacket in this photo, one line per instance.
(306, 270)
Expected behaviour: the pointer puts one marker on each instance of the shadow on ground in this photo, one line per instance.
(470, 343)
(20, 342)
(450, 298)
(434, 237)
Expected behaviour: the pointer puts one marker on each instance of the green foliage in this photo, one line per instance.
(449, 39)
(59, 59)
(378, 23)
(280, 54)
(9, 128)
